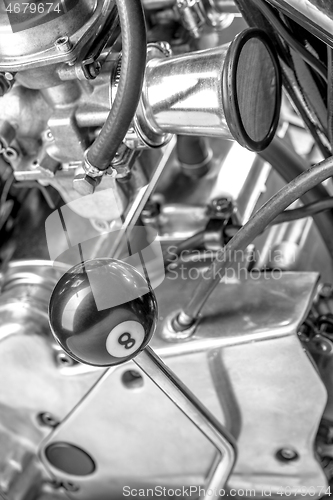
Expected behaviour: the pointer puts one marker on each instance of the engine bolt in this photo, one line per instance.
(85, 185)
(166, 48)
(48, 135)
(10, 154)
(94, 69)
(287, 455)
(47, 420)
(63, 44)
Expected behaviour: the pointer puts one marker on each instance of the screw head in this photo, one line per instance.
(48, 135)
(85, 185)
(287, 455)
(63, 44)
(94, 69)
(47, 420)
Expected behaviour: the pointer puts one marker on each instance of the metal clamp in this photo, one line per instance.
(90, 169)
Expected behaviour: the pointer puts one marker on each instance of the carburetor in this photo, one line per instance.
(61, 63)
(38, 37)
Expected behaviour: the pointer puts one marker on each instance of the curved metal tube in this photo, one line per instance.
(289, 165)
(185, 400)
(258, 222)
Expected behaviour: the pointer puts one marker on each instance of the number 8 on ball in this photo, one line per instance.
(125, 339)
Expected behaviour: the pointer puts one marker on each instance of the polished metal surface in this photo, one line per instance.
(244, 363)
(191, 14)
(35, 47)
(103, 312)
(183, 94)
(315, 15)
(208, 92)
(209, 426)
(31, 372)
(148, 136)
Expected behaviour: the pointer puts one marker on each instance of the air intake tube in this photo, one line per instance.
(232, 91)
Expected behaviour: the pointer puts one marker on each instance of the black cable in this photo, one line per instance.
(258, 222)
(133, 67)
(289, 165)
(283, 31)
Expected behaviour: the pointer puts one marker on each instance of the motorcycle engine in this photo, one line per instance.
(248, 408)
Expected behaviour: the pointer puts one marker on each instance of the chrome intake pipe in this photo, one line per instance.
(232, 92)
(183, 95)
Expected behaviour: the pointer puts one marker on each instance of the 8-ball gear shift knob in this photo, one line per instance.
(103, 312)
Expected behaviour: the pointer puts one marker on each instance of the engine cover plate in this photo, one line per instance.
(245, 363)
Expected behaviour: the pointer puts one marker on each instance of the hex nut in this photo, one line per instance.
(85, 185)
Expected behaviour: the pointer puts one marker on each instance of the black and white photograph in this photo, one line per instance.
(166, 249)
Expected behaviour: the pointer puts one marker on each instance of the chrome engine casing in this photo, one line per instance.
(256, 379)
(245, 361)
(31, 46)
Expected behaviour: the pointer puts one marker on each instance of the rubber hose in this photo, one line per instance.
(258, 222)
(134, 54)
(289, 165)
